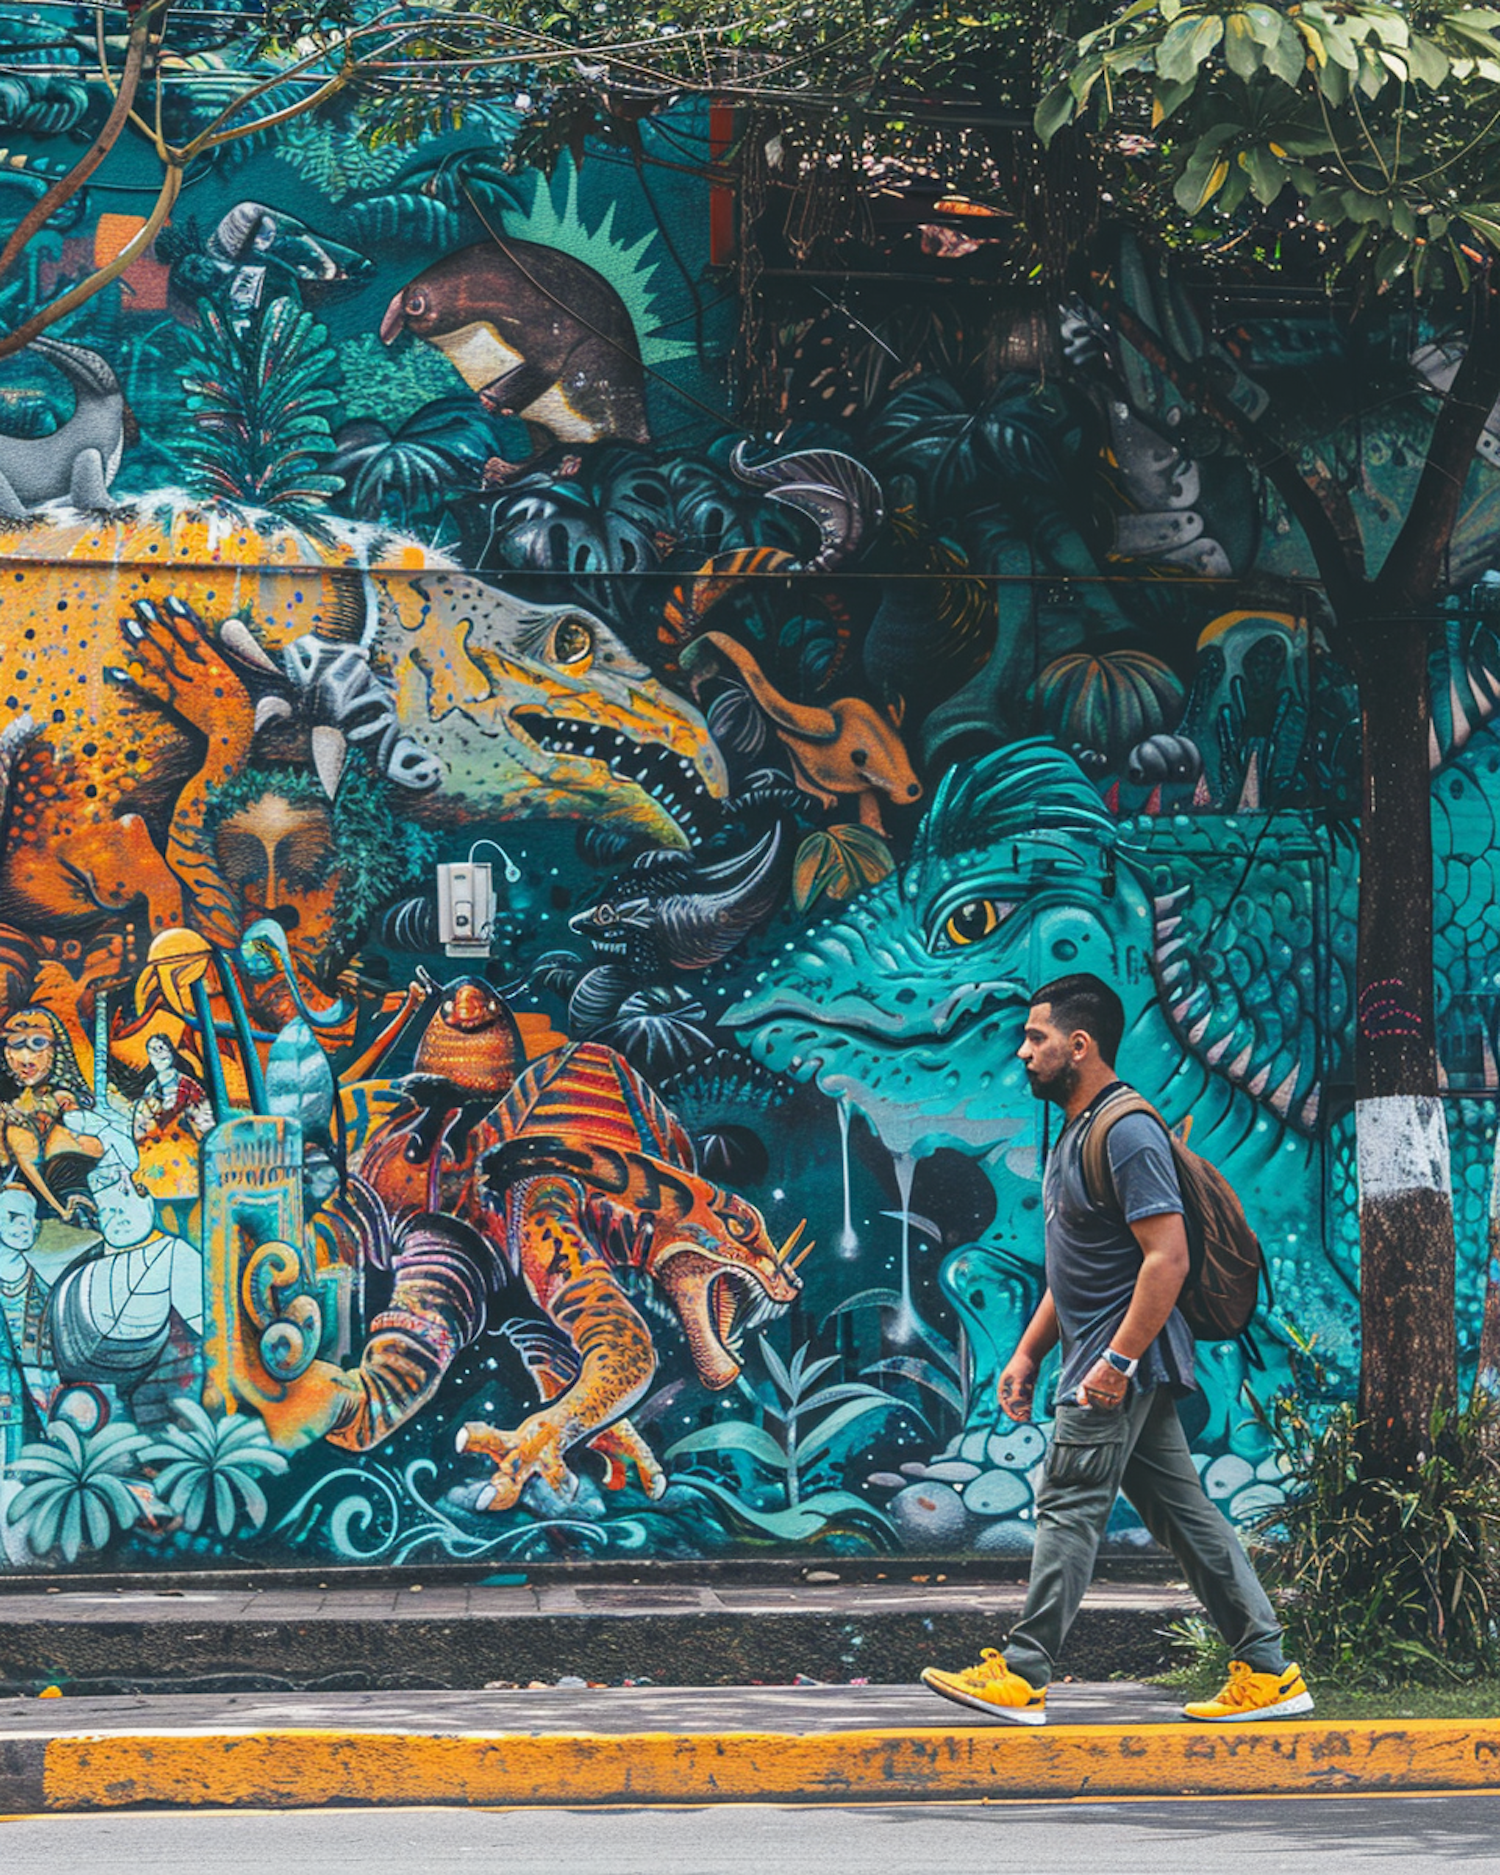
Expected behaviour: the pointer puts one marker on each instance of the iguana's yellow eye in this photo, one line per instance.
(974, 919)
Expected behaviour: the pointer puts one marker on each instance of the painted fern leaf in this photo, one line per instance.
(259, 401)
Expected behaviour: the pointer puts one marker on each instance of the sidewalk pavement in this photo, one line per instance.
(443, 1634)
(561, 1746)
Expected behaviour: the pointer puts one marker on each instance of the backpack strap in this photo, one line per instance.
(1098, 1177)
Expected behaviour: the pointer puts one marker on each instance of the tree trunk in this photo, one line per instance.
(1407, 1321)
(1487, 1372)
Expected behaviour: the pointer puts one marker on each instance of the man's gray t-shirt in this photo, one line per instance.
(1093, 1259)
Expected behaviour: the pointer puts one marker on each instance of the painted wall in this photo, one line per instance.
(388, 530)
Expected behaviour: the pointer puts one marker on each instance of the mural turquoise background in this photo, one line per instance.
(519, 884)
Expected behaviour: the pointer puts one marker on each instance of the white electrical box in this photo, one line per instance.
(466, 908)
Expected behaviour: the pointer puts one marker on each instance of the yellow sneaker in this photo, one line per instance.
(991, 1688)
(1250, 1695)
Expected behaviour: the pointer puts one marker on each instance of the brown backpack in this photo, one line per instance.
(1225, 1260)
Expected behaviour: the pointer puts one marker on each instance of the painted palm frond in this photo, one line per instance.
(212, 1466)
(76, 1495)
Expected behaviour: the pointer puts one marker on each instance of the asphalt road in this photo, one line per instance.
(1154, 1838)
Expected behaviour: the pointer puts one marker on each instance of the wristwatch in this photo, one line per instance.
(1119, 1363)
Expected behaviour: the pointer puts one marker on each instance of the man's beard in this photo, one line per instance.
(1056, 1087)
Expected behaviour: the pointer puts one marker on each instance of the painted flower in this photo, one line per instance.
(213, 1462)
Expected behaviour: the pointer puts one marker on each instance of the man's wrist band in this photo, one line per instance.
(1120, 1364)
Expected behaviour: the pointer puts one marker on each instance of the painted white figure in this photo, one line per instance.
(111, 1314)
(25, 1358)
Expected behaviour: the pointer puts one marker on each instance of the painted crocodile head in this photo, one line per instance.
(909, 1004)
(542, 712)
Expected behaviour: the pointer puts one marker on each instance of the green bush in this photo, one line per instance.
(1382, 1580)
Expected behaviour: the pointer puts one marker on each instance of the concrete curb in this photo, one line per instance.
(295, 1768)
(217, 1641)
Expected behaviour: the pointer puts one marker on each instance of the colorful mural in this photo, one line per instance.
(518, 890)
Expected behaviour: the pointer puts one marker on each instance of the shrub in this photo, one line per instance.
(1388, 1579)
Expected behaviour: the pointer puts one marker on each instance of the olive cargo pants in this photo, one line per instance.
(1139, 1449)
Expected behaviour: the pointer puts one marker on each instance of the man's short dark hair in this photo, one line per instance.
(1084, 1001)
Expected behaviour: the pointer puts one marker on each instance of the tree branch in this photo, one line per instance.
(66, 187)
(85, 290)
(1414, 566)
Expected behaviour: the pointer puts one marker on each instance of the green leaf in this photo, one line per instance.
(845, 1390)
(733, 1435)
(804, 1521)
(1484, 219)
(1268, 176)
(1167, 99)
(1209, 32)
(1236, 184)
(1200, 182)
(121, 1500)
(1055, 110)
(1286, 57)
(1392, 261)
(837, 863)
(1360, 207)
(922, 1374)
(223, 1504)
(37, 1462)
(822, 1436)
(254, 1499)
(1426, 63)
(776, 1369)
(1083, 78)
(62, 1434)
(1242, 49)
(97, 1523)
(194, 1503)
(46, 1519)
(1264, 22)
(1339, 44)
(802, 1375)
(25, 1502)
(1185, 45)
(70, 1530)
(866, 1299)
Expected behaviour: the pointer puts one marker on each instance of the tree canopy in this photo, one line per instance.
(1358, 139)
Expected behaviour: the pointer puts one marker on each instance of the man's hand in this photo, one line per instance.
(1104, 1387)
(1016, 1386)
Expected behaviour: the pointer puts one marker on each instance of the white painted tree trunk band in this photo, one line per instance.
(1403, 1146)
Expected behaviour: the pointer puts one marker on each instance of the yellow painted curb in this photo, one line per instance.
(288, 1768)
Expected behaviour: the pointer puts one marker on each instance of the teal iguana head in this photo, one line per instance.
(910, 1002)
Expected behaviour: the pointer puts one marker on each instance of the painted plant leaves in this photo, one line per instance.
(837, 862)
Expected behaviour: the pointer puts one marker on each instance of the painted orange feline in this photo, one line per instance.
(578, 1182)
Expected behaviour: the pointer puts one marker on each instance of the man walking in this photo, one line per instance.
(1114, 1273)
